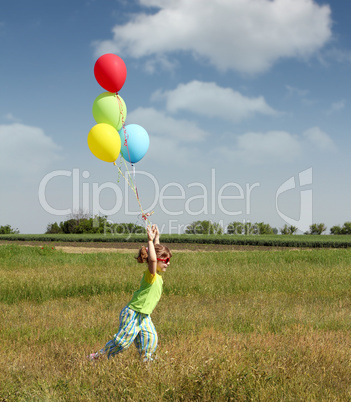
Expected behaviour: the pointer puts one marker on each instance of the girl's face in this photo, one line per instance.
(162, 264)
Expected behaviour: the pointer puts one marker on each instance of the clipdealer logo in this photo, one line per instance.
(306, 208)
(208, 201)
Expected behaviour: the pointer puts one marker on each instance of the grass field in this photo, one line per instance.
(251, 325)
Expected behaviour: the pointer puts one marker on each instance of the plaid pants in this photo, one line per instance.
(133, 326)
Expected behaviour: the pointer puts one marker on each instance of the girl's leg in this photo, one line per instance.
(147, 342)
(137, 343)
(128, 330)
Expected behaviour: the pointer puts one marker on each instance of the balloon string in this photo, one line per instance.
(123, 125)
(136, 189)
(131, 184)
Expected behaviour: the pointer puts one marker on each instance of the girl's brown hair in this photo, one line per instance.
(161, 252)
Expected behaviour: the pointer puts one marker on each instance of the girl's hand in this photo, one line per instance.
(157, 234)
(155, 229)
(150, 234)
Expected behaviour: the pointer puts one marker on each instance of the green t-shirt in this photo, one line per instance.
(145, 299)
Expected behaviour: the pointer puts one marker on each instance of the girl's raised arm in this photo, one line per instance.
(152, 259)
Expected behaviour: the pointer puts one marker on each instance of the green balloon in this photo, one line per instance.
(111, 109)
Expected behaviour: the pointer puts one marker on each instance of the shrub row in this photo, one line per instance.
(310, 241)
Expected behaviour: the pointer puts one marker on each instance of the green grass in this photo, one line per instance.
(307, 241)
(259, 325)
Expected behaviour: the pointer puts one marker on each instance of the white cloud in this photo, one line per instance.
(257, 148)
(173, 141)
(301, 93)
(152, 65)
(319, 139)
(25, 150)
(182, 142)
(161, 125)
(168, 154)
(334, 54)
(273, 147)
(244, 35)
(10, 117)
(208, 99)
(336, 106)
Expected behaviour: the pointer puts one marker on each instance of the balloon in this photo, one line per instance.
(110, 72)
(107, 109)
(137, 142)
(104, 142)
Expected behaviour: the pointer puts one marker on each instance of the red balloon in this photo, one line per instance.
(110, 72)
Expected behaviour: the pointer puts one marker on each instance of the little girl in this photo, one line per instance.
(134, 321)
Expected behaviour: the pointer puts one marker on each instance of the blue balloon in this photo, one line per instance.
(137, 142)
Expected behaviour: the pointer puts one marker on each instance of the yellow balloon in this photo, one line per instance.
(104, 142)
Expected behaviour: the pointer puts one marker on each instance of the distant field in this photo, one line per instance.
(263, 325)
(315, 241)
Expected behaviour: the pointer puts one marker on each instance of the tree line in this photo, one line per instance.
(84, 223)
(248, 228)
(80, 224)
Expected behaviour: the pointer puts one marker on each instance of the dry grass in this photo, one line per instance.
(268, 327)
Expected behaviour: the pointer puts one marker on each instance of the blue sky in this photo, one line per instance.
(234, 95)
